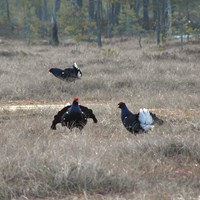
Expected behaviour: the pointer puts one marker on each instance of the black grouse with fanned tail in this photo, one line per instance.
(74, 115)
(140, 122)
(68, 74)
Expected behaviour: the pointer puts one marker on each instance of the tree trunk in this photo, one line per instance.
(56, 7)
(54, 32)
(127, 23)
(180, 27)
(45, 13)
(98, 22)
(113, 10)
(140, 40)
(169, 6)
(80, 3)
(154, 3)
(77, 3)
(163, 19)
(136, 7)
(54, 27)
(158, 26)
(91, 10)
(116, 11)
(8, 14)
(109, 19)
(146, 14)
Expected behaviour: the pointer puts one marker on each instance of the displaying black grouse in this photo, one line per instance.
(74, 115)
(140, 122)
(68, 74)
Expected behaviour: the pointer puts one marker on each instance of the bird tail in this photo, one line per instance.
(76, 66)
(156, 120)
(145, 119)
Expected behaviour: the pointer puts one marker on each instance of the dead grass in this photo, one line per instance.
(149, 75)
(105, 161)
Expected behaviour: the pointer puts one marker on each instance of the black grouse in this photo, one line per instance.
(74, 115)
(140, 122)
(68, 74)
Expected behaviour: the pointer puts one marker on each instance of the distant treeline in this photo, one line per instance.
(92, 20)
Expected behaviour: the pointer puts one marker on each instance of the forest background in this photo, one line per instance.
(95, 20)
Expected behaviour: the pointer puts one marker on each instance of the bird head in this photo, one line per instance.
(121, 104)
(75, 100)
(55, 71)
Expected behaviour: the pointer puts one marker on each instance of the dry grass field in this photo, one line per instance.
(104, 161)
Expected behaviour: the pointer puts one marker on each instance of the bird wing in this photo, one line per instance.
(156, 120)
(62, 111)
(68, 72)
(64, 114)
(145, 119)
(131, 122)
(89, 113)
(58, 117)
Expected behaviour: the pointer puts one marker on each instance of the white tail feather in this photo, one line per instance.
(75, 65)
(145, 119)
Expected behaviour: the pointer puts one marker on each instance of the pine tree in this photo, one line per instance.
(128, 22)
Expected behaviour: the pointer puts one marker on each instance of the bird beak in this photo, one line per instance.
(119, 104)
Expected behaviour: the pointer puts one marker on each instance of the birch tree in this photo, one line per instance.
(54, 26)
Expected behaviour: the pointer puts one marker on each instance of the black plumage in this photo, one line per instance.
(73, 116)
(140, 122)
(68, 74)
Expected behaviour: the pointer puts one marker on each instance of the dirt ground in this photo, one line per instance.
(34, 105)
